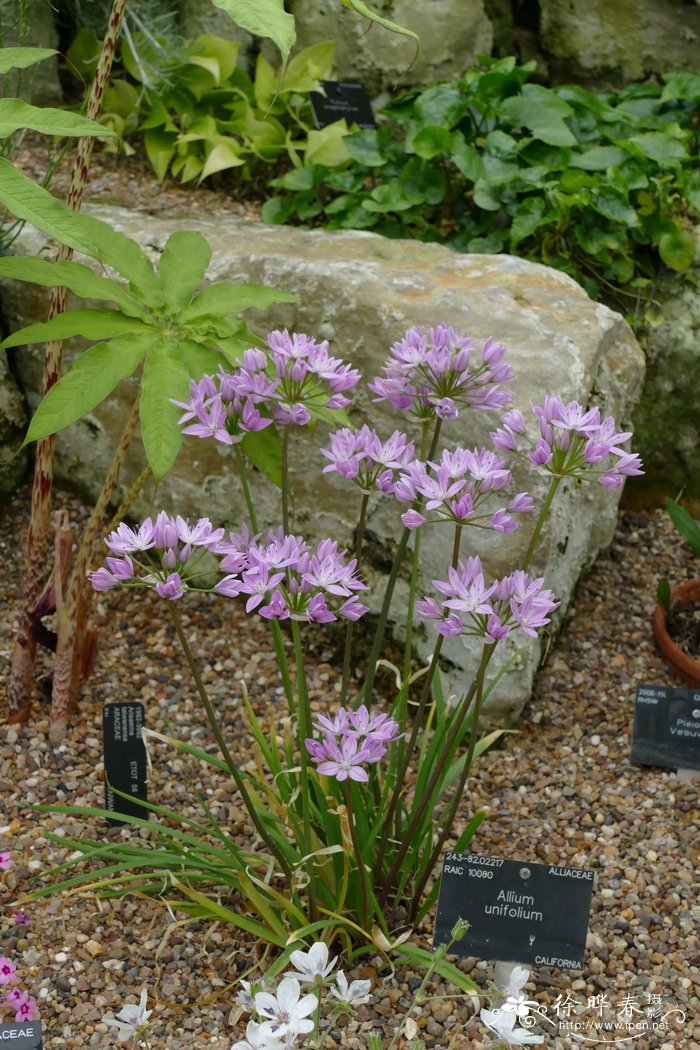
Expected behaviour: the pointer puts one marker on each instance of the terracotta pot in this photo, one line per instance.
(687, 669)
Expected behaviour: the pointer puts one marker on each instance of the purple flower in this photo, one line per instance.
(7, 970)
(172, 588)
(572, 442)
(362, 457)
(457, 490)
(351, 740)
(5, 861)
(471, 606)
(438, 374)
(21, 919)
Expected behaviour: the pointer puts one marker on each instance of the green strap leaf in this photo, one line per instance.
(165, 378)
(77, 277)
(91, 324)
(232, 298)
(15, 113)
(22, 57)
(182, 266)
(93, 376)
(263, 18)
(393, 27)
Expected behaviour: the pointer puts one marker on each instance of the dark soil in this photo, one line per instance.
(683, 623)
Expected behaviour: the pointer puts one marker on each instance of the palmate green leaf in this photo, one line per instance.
(92, 377)
(264, 450)
(222, 299)
(91, 324)
(15, 113)
(23, 57)
(24, 199)
(165, 378)
(182, 266)
(266, 18)
(76, 277)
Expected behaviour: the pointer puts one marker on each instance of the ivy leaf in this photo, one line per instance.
(182, 266)
(612, 206)
(677, 249)
(527, 218)
(431, 141)
(266, 18)
(92, 377)
(542, 112)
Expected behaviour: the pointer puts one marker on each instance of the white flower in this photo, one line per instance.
(130, 1019)
(354, 995)
(511, 979)
(244, 996)
(502, 1024)
(257, 1039)
(286, 1013)
(312, 964)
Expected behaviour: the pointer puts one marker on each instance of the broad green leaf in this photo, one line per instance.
(223, 156)
(232, 298)
(442, 105)
(160, 150)
(200, 360)
(677, 249)
(543, 112)
(26, 200)
(431, 141)
(308, 66)
(92, 377)
(361, 9)
(23, 57)
(266, 18)
(164, 379)
(527, 218)
(182, 267)
(264, 450)
(77, 277)
(327, 145)
(15, 113)
(466, 158)
(224, 51)
(598, 158)
(611, 205)
(363, 147)
(91, 324)
(266, 84)
(660, 147)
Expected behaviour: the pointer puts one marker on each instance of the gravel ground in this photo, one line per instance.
(560, 790)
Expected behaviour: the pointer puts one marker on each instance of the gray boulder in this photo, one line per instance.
(31, 25)
(13, 424)
(362, 292)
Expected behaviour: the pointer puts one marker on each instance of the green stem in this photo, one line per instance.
(317, 1019)
(438, 772)
(277, 636)
(285, 480)
(405, 752)
(542, 517)
(223, 747)
(304, 732)
(358, 855)
(359, 538)
(447, 822)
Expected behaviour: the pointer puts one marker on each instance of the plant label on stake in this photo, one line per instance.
(666, 730)
(528, 913)
(21, 1035)
(125, 760)
(343, 98)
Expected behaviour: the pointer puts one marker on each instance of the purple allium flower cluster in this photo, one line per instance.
(157, 554)
(471, 606)
(295, 376)
(438, 373)
(351, 740)
(456, 489)
(361, 456)
(284, 579)
(573, 442)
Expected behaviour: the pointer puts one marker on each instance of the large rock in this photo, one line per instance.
(362, 292)
(31, 24)
(455, 32)
(594, 40)
(201, 16)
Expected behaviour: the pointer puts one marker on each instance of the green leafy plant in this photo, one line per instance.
(602, 185)
(690, 531)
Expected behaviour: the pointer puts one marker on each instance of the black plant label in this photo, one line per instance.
(21, 1035)
(125, 761)
(666, 730)
(517, 911)
(343, 98)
